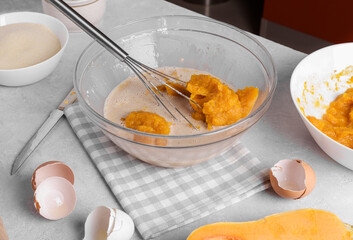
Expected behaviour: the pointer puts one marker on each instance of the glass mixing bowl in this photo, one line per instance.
(181, 41)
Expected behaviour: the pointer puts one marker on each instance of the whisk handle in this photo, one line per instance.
(91, 30)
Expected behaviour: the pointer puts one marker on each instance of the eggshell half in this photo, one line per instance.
(310, 181)
(123, 226)
(51, 169)
(108, 223)
(292, 179)
(55, 198)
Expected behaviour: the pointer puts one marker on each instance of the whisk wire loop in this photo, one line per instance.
(145, 81)
(165, 77)
(156, 96)
(161, 74)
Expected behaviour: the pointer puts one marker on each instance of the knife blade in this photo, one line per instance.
(43, 131)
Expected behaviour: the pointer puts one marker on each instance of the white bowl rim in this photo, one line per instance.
(224, 128)
(24, 15)
(296, 69)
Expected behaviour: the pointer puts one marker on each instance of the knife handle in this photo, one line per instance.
(69, 99)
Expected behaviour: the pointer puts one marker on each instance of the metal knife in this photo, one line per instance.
(36, 139)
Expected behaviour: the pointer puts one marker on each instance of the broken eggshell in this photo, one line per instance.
(108, 223)
(51, 169)
(292, 178)
(55, 198)
(54, 194)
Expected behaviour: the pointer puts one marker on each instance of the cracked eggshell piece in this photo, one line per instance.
(51, 169)
(55, 198)
(108, 223)
(292, 178)
(123, 226)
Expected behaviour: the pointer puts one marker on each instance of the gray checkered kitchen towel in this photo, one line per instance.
(161, 199)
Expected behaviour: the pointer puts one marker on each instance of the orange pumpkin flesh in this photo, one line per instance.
(337, 122)
(220, 104)
(147, 122)
(302, 224)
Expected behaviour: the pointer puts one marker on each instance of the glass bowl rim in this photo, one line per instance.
(212, 132)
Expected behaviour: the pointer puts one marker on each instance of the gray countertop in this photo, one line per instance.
(279, 134)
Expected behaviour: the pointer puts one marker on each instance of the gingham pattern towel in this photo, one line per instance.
(161, 199)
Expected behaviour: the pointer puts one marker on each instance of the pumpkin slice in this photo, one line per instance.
(301, 224)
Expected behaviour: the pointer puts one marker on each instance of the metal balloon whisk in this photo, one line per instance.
(142, 71)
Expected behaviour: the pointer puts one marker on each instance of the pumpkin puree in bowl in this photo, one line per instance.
(337, 122)
(147, 122)
(132, 106)
(219, 104)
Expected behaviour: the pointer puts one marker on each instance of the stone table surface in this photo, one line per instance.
(279, 134)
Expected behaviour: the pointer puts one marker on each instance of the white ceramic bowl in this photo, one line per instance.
(92, 10)
(34, 73)
(315, 72)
